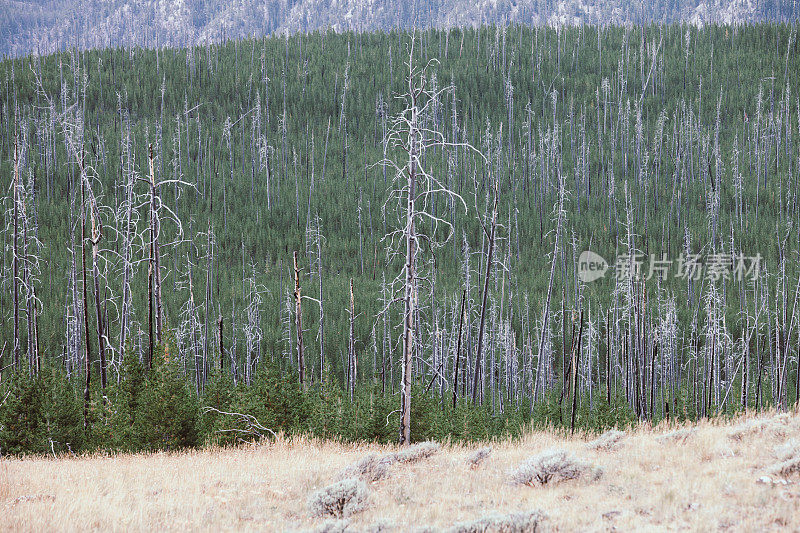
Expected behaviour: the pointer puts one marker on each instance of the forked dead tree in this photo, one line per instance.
(158, 210)
(413, 194)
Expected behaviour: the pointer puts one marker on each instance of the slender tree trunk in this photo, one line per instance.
(301, 363)
(352, 360)
(487, 274)
(16, 258)
(458, 347)
(151, 267)
(576, 353)
(321, 313)
(86, 336)
(97, 232)
(409, 296)
(221, 344)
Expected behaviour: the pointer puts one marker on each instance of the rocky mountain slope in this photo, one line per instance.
(43, 26)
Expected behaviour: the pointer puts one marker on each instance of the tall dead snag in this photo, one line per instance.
(86, 391)
(89, 201)
(487, 275)
(414, 190)
(574, 361)
(298, 321)
(314, 243)
(73, 133)
(410, 287)
(16, 258)
(25, 259)
(97, 233)
(221, 343)
(458, 347)
(127, 228)
(352, 361)
(560, 215)
(155, 319)
(153, 275)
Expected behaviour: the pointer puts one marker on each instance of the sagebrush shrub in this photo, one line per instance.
(786, 468)
(787, 450)
(333, 526)
(607, 441)
(339, 499)
(418, 452)
(551, 466)
(475, 459)
(527, 522)
(370, 468)
(679, 435)
(374, 467)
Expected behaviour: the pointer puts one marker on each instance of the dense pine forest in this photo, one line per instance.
(349, 233)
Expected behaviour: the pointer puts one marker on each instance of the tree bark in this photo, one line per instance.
(352, 360)
(16, 257)
(487, 274)
(301, 363)
(410, 296)
(458, 348)
(221, 344)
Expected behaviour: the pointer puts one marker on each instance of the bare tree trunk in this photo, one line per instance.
(546, 310)
(97, 232)
(126, 289)
(221, 344)
(86, 390)
(576, 352)
(458, 348)
(16, 258)
(352, 360)
(487, 274)
(321, 311)
(151, 266)
(409, 296)
(301, 363)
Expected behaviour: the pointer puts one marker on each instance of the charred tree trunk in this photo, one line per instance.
(301, 363)
(151, 267)
(458, 348)
(221, 344)
(16, 258)
(486, 277)
(97, 232)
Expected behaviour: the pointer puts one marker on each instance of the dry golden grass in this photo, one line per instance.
(714, 477)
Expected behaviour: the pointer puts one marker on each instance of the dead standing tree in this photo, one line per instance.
(487, 275)
(73, 132)
(25, 263)
(16, 257)
(414, 191)
(157, 210)
(298, 302)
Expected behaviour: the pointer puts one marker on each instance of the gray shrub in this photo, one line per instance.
(339, 499)
(417, 452)
(370, 468)
(477, 457)
(526, 522)
(608, 441)
(550, 467)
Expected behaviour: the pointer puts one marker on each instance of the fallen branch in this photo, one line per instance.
(254, 427)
